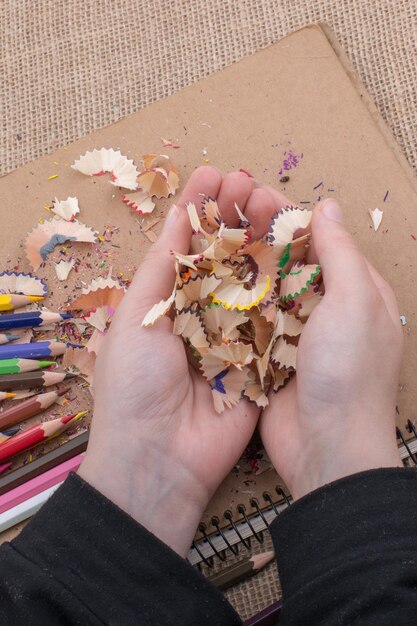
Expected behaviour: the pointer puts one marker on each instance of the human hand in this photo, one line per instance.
(157, 447)
(337, 416)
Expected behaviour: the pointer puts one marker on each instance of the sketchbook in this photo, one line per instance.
(293, 115)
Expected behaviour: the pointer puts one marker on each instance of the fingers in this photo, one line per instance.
(263, 203)
(154, 280)
(343, 266)
(280, 200)
(236, 187)
(204, 181)
(259, 211)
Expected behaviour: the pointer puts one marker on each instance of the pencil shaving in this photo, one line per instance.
(99, 318)
(235, 301)
(25, 284)
(95, 342)
(102, 292)
(188, 324)
(106, 160)
(140, 201)
(226, 387)
(42, 240)
(376, 217)
(159, 177)
(25, 335)
(298, 280)
(63, 268)
(66, 209)
(81, 362)
(286, 223)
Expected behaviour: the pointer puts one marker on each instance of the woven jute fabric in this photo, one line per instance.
(256, 593)
(69, 67)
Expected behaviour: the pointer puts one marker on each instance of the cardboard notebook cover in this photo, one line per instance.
(296, 104)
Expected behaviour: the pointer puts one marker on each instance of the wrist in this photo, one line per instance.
(316, 468)
(154, 489)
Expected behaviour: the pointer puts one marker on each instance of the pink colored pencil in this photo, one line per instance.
(40, 483)
(4, 467)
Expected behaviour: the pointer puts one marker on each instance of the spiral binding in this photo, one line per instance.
(251, 525)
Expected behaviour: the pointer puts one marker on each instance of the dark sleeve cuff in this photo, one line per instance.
(115, 567)
(347, 552)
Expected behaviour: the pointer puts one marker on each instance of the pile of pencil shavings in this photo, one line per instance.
(240, 305)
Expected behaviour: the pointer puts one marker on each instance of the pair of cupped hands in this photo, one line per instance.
(159, 450)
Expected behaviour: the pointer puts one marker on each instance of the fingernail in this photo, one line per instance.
(332, 211)
(171, 217)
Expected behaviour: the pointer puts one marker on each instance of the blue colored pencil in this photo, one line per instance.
(35, 350)
(31, 318)
(6, 337)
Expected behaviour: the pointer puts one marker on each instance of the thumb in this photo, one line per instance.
(343, 265)
(154, 281)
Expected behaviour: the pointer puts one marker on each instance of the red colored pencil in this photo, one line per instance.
(37, 434)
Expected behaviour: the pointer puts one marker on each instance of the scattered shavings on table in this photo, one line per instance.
(26, 284)
(67, 209)
(376, 217)
(57, 238)
(42, 240)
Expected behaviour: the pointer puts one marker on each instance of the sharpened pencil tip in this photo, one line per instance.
(66, 316)
(70, 375)
(261, 560)
(46, 363)
(35, 298)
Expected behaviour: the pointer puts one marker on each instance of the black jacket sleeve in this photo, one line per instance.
(347, 553)
(81, 560)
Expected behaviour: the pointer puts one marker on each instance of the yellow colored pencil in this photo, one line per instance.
(11, 301)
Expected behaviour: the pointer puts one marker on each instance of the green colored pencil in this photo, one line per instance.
(17, 366)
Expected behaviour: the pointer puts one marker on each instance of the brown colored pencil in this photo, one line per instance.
(30, 407)
(241, 570)
(47, 461)
(28, 380)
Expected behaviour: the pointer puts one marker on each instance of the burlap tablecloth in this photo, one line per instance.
(69, 67)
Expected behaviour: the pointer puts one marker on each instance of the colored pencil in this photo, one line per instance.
(25, 509)
(35, 350)
(29, 380)
(37, 434)
(45, 462)
(6, 337)
(8, 433)
(5, 394)
(18, 366)
(267, 617)
(11, 431)
(5, 466)
(40, 483)
(236, 573)
(31, 318)
(30, 407)
(13, 301)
